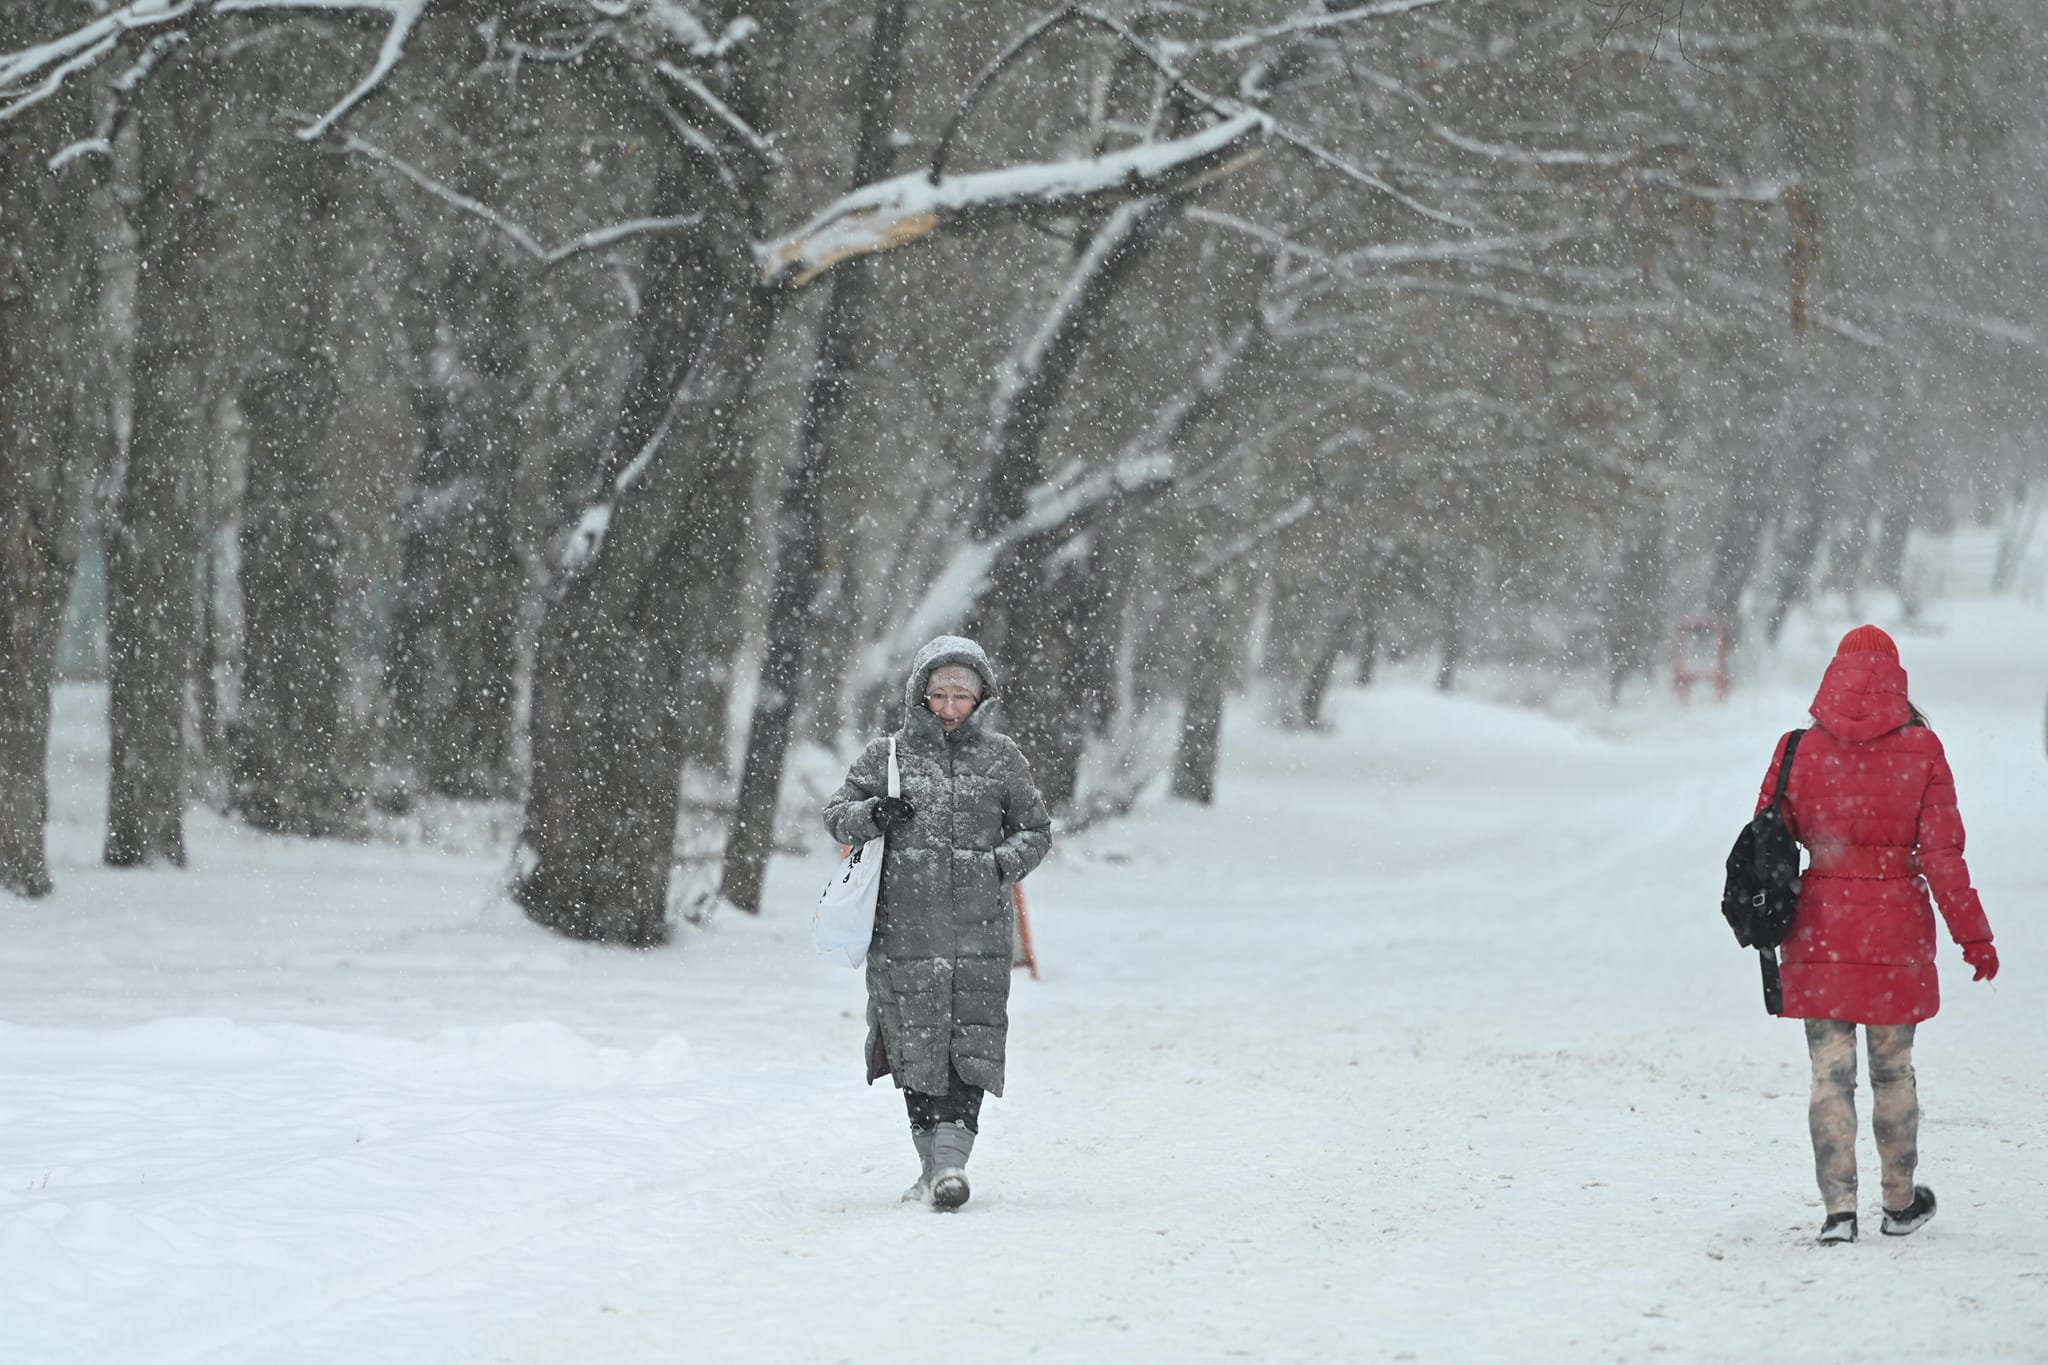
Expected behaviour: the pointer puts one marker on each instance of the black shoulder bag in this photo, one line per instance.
(1761, 896)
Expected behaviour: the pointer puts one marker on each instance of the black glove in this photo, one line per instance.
(889, 812)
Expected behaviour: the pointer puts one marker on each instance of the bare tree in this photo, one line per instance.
(288, 774)
(799, 540)
(150, 526)
(53, 442)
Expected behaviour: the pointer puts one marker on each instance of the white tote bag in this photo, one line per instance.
(846, 912)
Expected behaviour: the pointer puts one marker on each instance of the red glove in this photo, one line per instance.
(1983, 957)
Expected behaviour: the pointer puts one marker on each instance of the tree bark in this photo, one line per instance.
(46, 457)
(799, 541)
(1457, 630)
(1322, 669)
(1738, 544)
(286, 739)
(608, 724)
(150, 524)
(1212, 663)
(1894, 531)
(288, 774)
(1799, 538)
(1635, 621)
(451, 673)
(1312, 619)
(634, 658)
(1026, 617)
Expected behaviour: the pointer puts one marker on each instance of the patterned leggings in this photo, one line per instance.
(1894, 1109)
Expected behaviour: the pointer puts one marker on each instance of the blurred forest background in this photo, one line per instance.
(583, 407)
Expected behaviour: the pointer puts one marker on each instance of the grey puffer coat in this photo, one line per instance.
(939, 965)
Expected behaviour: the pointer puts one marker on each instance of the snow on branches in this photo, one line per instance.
(969, 571)
(33, 74)
(909, 208)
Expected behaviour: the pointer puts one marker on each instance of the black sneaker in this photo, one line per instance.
(1840, 1227)
(1913, 1217)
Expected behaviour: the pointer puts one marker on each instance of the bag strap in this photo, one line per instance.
(895, 777)
(1785, 765)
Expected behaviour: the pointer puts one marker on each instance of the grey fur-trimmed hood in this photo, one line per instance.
(937, 653)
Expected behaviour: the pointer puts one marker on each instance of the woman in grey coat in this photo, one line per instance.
(968, 827)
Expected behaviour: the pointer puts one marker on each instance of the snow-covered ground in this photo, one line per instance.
(1425, 1043)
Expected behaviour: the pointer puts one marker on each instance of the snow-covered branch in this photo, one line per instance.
(691, 136)
(1188, 408)
(1693, 45)
(578, 547)
(1322, 156)
(1162, 61)
(101, 143)
(32, 74)
(53, 80)
(1770, 191)
(324, 6)
(1221, 558)
(1574, 310)
(1284, 245)
(1303, 24)
(967, 576)
(405, 16)
(1757, 297)
(1023, 369)
(897, 212)
(62, 55)
(511, 231)
(1276, 130)
(1420, 253)
(1981, 324)
(722, 111)
(1548, 158)
(1667, 305)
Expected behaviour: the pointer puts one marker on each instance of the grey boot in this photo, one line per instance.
(951, 1145)
(921, 1192)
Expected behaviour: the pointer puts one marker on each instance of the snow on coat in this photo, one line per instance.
(938, 970)
(1872, 799)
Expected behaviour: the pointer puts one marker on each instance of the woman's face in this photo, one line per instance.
(950, 704)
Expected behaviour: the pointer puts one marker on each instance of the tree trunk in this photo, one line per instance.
(150, 525)
(1322, 669)
(1894, 531)
(799, 543)
(1311, 621)
(1738, 544)
(1799, 538)
(1635, 620)
(1212, 662)
(1018, 621)
(609, 716)
(634, 657)
(1061, 660)
(600, 824)
(288, 774)
(1456, 628)
(1368, 641)
(451, 674)
(46, 302)
(1369, 595)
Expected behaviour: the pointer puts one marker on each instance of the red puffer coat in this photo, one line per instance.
(1872, 799)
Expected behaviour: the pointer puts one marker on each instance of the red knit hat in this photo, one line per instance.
(1868, 640)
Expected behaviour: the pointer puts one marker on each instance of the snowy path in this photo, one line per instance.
(1425, 1044)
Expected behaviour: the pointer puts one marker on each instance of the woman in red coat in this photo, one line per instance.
(1872, 800)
